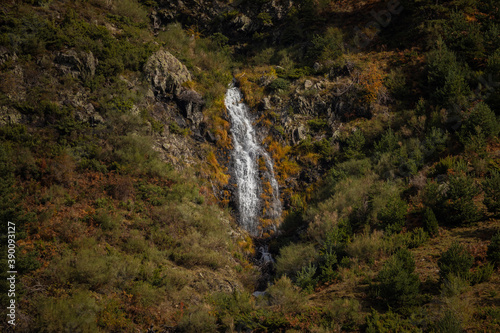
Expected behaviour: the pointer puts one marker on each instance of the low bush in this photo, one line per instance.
(344, 313)
(198, 319)
(305, 278)
(279, 85)
(367, 246)
(456, 261)
(393, 215)
(294, 257)
(449, 323)
(399, 285)
(493, 251)
(389, 322)
(286, 296)
(76, 312)
(491, 187)
(431, 225)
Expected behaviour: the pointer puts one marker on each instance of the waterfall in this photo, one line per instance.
(245, 156)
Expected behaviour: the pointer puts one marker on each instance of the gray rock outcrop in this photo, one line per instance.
(166, 74)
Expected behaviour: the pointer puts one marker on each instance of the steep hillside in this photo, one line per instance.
(115, 154)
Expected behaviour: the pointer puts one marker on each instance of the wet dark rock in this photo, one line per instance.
(191, 104)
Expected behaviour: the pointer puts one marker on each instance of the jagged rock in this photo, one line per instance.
(299, 134)
(70, 63)
(87, 114)
(265, 104)
(317, 66)
(191, 104)
(276, 100)
(348, 111)
(242, 23)
(266, 80)
(166, 73)
(9, 116)
(308, 84)
(5, 56)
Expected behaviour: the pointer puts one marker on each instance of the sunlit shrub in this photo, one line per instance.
(293, 257)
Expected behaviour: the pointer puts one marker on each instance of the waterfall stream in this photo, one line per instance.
(249, 177)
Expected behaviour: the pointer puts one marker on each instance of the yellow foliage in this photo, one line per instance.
(217, 172)
(372, 81)
(311, 158)
(247, 245)
(252, 92)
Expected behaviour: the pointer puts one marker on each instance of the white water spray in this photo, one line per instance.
(245, 155)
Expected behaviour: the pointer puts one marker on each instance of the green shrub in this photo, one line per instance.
(279, 85)
(344, 311)
(286, 296)
(389, 322)
(393, 215)
(198, 319)
(459, 207)
(317, 125)
(399, 285)
(455, 201)
(326, 47)
(367, 246)
(453, 286)
(446, 77)
(233, 307)
(491, 187)
(75, 313)
(293, 257)
(355, 142)
(387, 143)
(493, 251)
(482, 274)
(435, 142)
(430, 222)
(480, 123)
(418, 237)
(449, 323)
(105, 221)
(456, 261)
(305, 278)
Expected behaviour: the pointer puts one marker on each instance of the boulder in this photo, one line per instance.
(299, 134)
(10, 116)
(83, 65)
(166, 73)
(242, 23)
(265, 104)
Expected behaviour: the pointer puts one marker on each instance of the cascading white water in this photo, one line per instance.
(245, 155)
